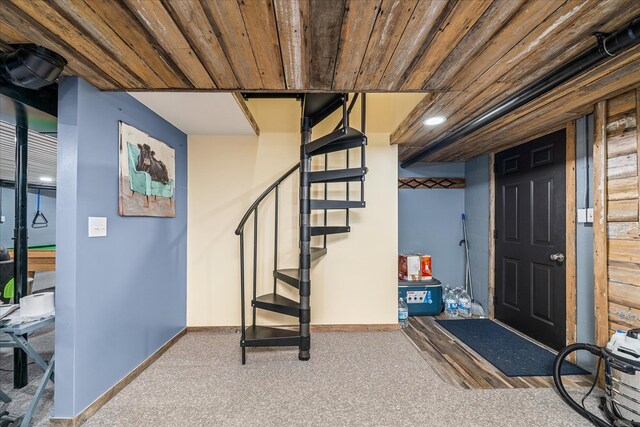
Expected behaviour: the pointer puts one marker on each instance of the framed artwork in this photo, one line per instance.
(147, 174)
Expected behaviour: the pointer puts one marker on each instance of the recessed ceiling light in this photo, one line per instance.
(435, 120)
(46, 179)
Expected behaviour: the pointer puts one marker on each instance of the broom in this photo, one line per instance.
(476, 307)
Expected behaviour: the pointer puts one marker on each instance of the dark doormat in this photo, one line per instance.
(509, 352)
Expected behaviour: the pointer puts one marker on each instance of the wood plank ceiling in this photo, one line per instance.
(466, 55)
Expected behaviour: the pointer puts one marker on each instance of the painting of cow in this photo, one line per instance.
(154, 167)
(147, 174)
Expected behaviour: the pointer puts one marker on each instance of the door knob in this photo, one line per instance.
(559, 257)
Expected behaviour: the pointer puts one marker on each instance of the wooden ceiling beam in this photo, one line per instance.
(247, 113)
(357, 26)
(603, 17)
(488, 90)
(521, 26)
(10, 35)
(260, 22)
(326, 24)
(227, 22)
(529, 18)
(459, 21)
(420, 29)
(492, 21)
(126, 25)
(91, 24)
(569, 101)
(568, 35)
(33, 32)
(60, 31)
(192, 21)
(569, 43)
(293, 21)
(390, 26)
(156, 19)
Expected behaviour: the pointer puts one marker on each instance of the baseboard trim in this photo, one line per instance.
(382, 327)
(83, 416)
(218, 329)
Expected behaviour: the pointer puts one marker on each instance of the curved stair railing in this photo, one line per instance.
(253, 210)
(315, 108)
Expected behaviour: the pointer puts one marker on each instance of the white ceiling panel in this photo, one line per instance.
(198, 113)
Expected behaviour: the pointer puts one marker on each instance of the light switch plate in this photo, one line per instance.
(590, 215)
(2, 219)
(97, 226)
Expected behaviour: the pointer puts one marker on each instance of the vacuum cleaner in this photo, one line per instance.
(621, 403)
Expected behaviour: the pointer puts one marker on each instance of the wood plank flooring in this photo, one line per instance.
(458, 365)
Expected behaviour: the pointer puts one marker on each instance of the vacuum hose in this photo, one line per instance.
(557, 380)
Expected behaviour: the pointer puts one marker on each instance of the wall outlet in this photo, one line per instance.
(585, 216)
(582, 216)
(97, 226)
(2, 219)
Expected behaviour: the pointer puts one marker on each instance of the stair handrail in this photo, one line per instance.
(253, 210)
(264, 194)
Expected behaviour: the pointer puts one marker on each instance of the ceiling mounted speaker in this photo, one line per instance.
(31, 66)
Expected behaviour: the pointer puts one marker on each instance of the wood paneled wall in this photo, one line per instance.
(617, 219)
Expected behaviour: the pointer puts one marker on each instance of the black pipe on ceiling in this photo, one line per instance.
(606, 46)
(31, 66)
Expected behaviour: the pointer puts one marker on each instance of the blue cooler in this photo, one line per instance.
(424, 298)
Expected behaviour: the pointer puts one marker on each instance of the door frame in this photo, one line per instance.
(570, 232)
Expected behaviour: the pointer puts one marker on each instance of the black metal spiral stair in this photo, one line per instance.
(315, 109)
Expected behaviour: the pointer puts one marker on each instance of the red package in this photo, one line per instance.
(425, 267)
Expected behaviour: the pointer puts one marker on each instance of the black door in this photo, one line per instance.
(530, 238)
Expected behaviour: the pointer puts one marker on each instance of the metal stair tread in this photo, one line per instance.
(342, 138)
(322, 230)
(318, 106)
(277, 303)
(317, 253)
(263, 336)
(337, 204)
(338, 175)
(290, 276)
(339, 146)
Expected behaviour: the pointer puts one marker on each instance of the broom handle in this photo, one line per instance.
(466, 248)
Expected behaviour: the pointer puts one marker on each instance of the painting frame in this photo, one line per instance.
(146, 174)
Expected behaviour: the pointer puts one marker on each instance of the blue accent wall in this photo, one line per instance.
(119, 298)
(476, 202)
(429, 221)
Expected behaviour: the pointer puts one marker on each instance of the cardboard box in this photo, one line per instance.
(408, 267)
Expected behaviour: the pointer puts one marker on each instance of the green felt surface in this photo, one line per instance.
(40, 248)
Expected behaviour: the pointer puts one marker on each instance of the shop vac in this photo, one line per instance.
(621, 402)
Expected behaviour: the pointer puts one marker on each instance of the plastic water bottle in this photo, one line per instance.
(444, 294)
(403, 313)
(451, 304)
(464, 304)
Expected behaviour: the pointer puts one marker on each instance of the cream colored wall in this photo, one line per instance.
(355, 283)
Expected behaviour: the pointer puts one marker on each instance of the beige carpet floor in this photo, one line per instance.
(354, 379)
